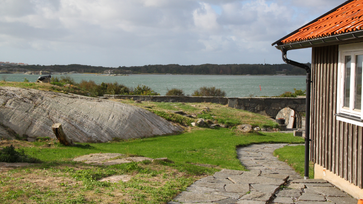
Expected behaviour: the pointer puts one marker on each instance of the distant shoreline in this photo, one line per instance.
(102, 74)
(203, 69)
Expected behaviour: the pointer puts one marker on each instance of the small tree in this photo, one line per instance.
(209, 91)
(175, 92)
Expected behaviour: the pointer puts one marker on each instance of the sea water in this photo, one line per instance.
(233, 85)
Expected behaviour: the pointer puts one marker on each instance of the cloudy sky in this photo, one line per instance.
(140, 32)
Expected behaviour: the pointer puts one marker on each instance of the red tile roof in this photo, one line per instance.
(344, 19)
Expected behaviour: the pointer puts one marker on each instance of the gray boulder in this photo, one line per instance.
(202, 123)
(32, 113)
(245, 128)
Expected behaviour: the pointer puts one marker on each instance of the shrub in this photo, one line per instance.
(90, 86)
(209, 91)
(115, 88)
(143, 90)
(287, 94)
(9, 154)
(300, 92)
(297, 92)
(62, 81)
(175, 92)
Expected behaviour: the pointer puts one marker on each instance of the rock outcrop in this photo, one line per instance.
(31, 113)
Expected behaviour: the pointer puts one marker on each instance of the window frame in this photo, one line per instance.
(345, 114)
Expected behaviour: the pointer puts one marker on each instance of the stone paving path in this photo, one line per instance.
(268, 181)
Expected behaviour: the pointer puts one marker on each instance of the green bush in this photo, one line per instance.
(300, 92)
(209, 91)
(9, 154)
(175, 92)
(90, 87)
(115, 88)
(143, 90)
(105, 88)
(297, 92)
(63, 80)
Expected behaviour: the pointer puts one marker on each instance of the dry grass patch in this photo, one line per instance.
(79, 183)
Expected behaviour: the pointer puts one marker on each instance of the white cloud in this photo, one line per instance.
(205, 17)
(138, 32)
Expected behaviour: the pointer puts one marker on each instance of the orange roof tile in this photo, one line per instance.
(344, 19)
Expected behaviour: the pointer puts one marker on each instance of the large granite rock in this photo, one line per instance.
(32, 113)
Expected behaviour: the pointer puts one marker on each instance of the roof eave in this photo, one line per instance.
(297, 30)
(324, 41)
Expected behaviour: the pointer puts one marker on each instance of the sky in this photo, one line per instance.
(115, 33)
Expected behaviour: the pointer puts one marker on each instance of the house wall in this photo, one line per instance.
(336, 145)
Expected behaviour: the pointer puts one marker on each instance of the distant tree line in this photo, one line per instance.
(205, 69)
(214, 69)
(67, 68)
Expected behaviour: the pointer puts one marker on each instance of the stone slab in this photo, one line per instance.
(310, 185)
(305, 181)
(228, 201)
(225, 173)
(283, 200)
(276, 176)
(265, 188)
(198, 189)
(295, 193)
(234, 196)
(256, 180)
(192, 197)
(255, 195)
(250, 202)
(329, 191)
(296, 186)
(312, 197)
(237, 188)
(342, 200)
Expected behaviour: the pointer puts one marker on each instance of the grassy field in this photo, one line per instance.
(60, 180)
(217, 113)
(196, 153)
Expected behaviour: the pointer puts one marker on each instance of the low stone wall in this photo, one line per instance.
(267, 106)
(262, 105)
(185, 99)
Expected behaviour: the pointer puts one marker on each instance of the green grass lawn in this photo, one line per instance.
(194, 155)
(214, 147)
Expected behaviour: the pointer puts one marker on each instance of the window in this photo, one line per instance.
(350, 84)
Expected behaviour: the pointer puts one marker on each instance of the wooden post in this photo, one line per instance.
(61, 136)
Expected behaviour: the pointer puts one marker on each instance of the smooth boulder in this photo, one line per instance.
(31, 113)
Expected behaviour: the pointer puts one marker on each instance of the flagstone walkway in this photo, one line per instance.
(268, 181)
